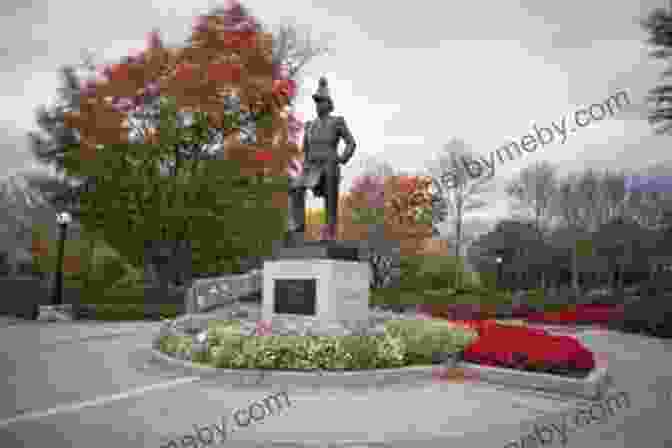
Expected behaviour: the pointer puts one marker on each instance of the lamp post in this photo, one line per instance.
(499, 271)
(63, 219)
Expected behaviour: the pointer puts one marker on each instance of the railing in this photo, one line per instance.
(208, 293)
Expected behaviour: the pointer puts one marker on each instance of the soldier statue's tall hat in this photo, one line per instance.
(322, 92)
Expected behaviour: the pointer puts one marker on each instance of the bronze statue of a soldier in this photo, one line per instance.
(321, 166)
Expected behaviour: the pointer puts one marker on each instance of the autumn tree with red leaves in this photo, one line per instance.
(146, 186)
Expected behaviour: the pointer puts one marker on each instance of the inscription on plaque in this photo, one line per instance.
(295, 296)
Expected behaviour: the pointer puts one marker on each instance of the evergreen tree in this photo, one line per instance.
(659, 26)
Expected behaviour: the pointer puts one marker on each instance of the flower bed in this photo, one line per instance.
(404, 343)
(580, 314)
(522, 348)
(571, 315)
(528, 349)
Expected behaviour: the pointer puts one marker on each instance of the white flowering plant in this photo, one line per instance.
(404, 342)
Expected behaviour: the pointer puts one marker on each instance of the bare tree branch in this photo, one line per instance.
(462, 196)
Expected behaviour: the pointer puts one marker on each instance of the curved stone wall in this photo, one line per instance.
(208, 293)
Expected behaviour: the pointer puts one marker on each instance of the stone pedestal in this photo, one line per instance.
(320, 285)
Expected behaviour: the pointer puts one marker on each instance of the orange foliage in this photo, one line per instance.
(72, 264)
(403, 196)
(39, 248)
(215, 63)
(436, 246)
(412, 238)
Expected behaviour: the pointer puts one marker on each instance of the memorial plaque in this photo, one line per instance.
(295, 296)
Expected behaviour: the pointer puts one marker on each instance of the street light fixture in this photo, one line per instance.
(63, 219)
(499, 270)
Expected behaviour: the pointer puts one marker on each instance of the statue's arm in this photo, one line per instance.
(346, 135)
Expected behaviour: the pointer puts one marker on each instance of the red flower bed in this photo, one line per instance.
(525, 348)
(528, 349)
(457, 311)
(521, 311)
(598, 314)
(601, 314)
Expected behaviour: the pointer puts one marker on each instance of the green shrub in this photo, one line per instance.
(108, 271)
(476, 279)
(538, 295)
(184, 346)
(222, 354)
(370, 352)
(437, 296)
(422, 338)
(122, 312)
(135, 294)
(410, 267)
(437, 273)
(391, 297)
(432, 273)
(470, 295)
(488, 280)
(201, 357)
(95, 295)
(444, 296)
(218, 331)
(426, 272)
(116, 312)
(124, 295)
(496, 297)
(404, 342)
(273, 352)
(428, 279)
(132, 277)
(441, 271)
(171, 344)
(538, 300)
(168, 311)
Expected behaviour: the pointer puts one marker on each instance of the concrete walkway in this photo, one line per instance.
(467, 414)
(144, 404)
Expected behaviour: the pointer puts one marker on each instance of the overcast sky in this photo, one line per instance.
(408, 77)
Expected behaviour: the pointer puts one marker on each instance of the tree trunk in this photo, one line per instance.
(152, 269)
(458, 235)
(176, 277)
(575, 271)
(541, 241)
(611, 277)
(621, 272)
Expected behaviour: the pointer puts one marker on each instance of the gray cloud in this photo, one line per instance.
(481, 72)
